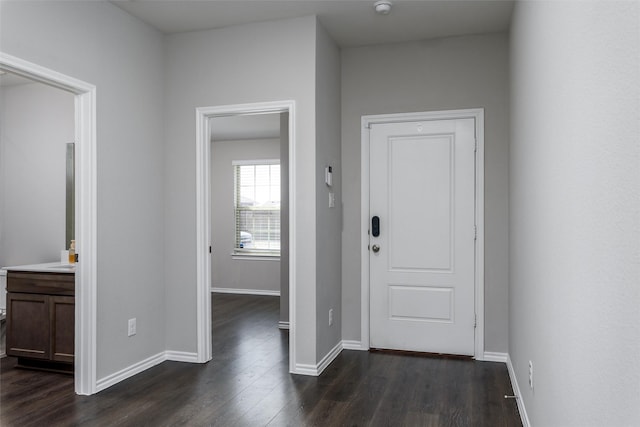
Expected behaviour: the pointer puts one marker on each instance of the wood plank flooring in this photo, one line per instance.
(248, 384)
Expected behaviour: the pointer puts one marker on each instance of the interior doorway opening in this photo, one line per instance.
(85, 211)
(249, 212)
(205, 121)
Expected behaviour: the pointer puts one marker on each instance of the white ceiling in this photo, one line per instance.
(350, 22)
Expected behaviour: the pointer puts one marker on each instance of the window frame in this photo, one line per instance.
(251, 253)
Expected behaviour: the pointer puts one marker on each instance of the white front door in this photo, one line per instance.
(422, 190)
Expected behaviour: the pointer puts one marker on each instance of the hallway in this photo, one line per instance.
(247, 384)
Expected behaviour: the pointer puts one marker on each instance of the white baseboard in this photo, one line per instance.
(329, 357)
(304, 369)
(283, 325)
(353, 345)
(516, 391)
(136, 368)
(181, 356)
(491, 356)
(130, 371)
(245, 291)
(315, 370)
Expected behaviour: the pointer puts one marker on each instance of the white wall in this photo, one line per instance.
(575, 211)
(328, 220)
(100, 44)
(36, 123)
(226, 272)
(268, 61)
(440, 74)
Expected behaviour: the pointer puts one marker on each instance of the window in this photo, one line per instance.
(257, 207)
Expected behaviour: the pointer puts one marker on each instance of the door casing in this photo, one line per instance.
(478, 115)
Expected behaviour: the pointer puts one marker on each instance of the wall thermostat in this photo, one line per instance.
(328, 176)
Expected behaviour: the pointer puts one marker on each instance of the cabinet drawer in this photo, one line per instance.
(41, 283)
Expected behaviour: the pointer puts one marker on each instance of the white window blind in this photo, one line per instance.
(257, 207)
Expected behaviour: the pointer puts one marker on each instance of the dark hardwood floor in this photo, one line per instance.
(248, 384)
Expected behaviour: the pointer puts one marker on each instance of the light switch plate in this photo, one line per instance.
(132, 327)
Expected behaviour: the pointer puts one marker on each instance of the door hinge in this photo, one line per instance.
(475, 320)
(209, 249)
(475, 145)
(368, 247)
(475, 232)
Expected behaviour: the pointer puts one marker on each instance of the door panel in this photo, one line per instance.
(418, 168)
(420, 303)
(422, 186)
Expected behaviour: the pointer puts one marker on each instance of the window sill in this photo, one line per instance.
(255, 257)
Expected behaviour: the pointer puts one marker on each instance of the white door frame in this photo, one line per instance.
(478, 115)
(85, 211)
(203, 218)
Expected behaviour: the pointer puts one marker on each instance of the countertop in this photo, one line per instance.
(50, 267)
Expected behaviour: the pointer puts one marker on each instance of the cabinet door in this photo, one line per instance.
(63, 318)
(28, 328)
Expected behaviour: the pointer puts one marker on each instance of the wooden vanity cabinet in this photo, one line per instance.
(41, 318)
(28, 326)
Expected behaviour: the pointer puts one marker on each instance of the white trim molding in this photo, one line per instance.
(491, 356)
(255, 257)
(478, 115)
(149, 362)
(203, 218)
(265, 292)
(86, 212)
(329, 357)
(181, 356)
(317, 369)
(353, 345)
(129, 371)
(516, 391)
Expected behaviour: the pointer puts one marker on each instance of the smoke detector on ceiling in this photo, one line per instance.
(382, 7)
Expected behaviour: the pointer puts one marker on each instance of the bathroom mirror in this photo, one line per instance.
(70, 206)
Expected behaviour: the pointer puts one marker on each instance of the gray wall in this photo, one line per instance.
(261, 274)
(102, 45)
(36, 123)
(441, 74)
(329, 286)
(575, 209)
(268, 61)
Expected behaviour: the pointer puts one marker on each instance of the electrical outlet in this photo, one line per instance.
(530, 374)
(132, 327)
(330, 316)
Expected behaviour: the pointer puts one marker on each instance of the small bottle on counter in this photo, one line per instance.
(72, 252)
